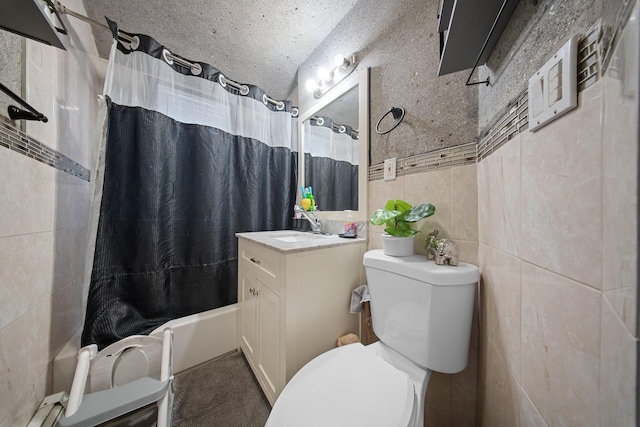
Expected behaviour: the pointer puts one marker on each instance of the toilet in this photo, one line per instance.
(422, 313)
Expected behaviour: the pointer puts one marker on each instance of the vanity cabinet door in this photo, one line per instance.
(288, 316)
(248, 297)
(269, 337)
(259, 317)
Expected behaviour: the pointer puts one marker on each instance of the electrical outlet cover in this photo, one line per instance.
(390, 169)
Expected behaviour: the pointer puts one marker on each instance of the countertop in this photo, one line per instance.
(289, 241)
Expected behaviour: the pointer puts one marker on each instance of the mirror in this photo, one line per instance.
(334, 146)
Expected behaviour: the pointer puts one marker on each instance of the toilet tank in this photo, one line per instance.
(422, 310)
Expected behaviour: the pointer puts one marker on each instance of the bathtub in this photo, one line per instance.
(196, 339)
(202, 336)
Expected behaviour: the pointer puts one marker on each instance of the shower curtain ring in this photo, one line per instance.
(398, 115)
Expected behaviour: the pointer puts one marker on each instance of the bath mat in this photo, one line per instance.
(220, 393)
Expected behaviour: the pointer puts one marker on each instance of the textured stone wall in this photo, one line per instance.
(11, 59)
(399, 42)
(535, 31)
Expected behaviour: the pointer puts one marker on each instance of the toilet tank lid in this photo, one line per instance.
(418, 267)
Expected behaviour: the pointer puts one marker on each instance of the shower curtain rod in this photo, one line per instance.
(63, 9)
(244, 89)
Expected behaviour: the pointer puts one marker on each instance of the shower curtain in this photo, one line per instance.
(331, 163)
(188, 161)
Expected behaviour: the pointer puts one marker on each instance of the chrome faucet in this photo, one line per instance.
(316, 224)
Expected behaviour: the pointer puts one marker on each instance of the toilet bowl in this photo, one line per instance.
(351, 385)
(422, 314)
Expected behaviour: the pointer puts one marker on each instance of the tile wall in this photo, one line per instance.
(451, 399)
(554, 234)
(43, 219)
(557, 229)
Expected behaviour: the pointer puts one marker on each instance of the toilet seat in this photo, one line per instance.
(126, 360)
(347, 386)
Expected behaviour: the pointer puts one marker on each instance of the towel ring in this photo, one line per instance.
(398, 115)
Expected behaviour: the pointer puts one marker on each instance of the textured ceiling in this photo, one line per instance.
(261, 42)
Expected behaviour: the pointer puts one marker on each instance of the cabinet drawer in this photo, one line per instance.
(263, 262)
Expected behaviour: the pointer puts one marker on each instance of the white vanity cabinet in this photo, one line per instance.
(294, 302)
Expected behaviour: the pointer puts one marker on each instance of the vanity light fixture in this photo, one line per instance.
(328, 79)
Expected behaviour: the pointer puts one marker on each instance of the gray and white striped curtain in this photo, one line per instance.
(188, 162)
(331, 163)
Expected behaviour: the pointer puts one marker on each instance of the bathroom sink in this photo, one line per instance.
(292, 241)
(300, 237)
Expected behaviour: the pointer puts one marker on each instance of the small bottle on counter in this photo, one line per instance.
(350, 229)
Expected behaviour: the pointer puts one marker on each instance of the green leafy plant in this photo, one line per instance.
(398, 217)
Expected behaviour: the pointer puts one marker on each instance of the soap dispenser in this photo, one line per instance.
(350, 229)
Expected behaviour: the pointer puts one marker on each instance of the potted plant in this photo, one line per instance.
(398, 217)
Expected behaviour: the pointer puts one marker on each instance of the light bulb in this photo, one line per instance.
(310, 85)
(323, 74)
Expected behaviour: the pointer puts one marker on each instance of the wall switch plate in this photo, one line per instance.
(553, 90)
(390, 169)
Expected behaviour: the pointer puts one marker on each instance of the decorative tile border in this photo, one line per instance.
(22, 143)
(440, 159)
(589, 57)
(516, 120)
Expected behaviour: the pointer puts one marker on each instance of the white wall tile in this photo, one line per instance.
(562, 192)
(529, 415)
(41, 82)
(500, 395)
(381, 191)
(499, 198)
(14, 201)
(468, 251)
(435, 188)
(26, 275)
(620, 158)
(464, 203)
(501, 282)
(560, 347)
(618, 371)
(29, 401)
(41, 197)
(438, 401)
(24, 355)
(464, 384)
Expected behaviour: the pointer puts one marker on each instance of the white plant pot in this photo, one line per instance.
(397, 246)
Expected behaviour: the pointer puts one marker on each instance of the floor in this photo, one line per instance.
(220, 393)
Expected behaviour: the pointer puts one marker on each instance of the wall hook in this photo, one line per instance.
(398, 115)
